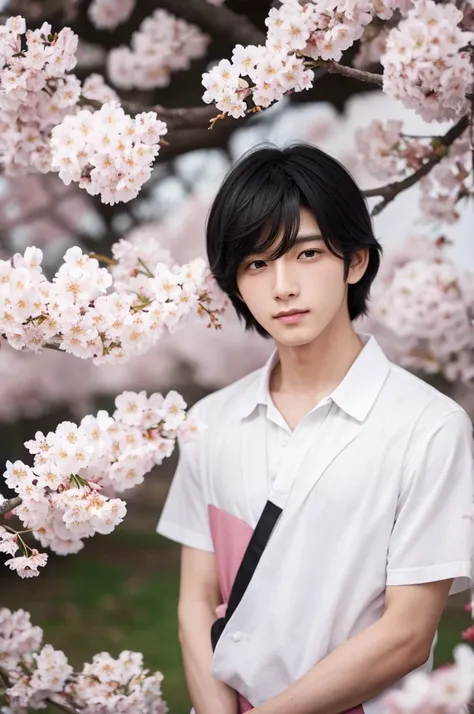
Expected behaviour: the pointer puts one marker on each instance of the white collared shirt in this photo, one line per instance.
(375, 483)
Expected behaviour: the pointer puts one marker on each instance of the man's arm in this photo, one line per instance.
(198, 598)
(372, 660)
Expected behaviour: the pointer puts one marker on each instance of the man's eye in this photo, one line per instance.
(256, 265)
(310, 253)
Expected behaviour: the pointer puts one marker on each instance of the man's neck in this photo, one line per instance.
(313, 371)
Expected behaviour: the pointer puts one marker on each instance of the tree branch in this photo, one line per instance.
(9, 505)
(199, 117)
(359, 74)
(182, 118)
(391, 190)
(236, 28)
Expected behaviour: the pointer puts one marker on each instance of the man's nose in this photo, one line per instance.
(285, 284)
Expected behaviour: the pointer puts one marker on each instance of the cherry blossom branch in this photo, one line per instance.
(358, 74)
(181, 118)
(199, 117)
(177, 118)
(441, 145)
(9, 505)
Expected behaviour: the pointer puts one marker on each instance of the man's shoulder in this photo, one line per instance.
(419, 402)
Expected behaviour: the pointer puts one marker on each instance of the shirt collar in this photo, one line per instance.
(355, 394)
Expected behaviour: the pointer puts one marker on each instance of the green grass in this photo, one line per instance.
(121, 593)
(96, 602)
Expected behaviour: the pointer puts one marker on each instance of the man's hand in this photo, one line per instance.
(372, 660)
(198, 598)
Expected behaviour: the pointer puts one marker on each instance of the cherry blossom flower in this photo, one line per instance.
(27, 566)
(423, 65)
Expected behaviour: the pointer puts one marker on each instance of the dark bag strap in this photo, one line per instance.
(252, 555)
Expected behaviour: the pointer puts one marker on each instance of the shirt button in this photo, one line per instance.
(284, 442)
(237, 636)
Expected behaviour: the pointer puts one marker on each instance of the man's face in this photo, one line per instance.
(307, 281)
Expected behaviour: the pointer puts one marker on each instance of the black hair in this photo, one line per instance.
(259, 202)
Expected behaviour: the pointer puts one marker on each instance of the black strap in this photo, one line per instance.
(252, 555)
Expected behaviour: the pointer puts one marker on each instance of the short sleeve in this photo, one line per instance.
(184, 518)
(432, 537)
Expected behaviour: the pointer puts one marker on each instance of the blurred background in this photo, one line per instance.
(120, 592)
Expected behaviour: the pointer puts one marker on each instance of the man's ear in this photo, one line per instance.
(358, 266)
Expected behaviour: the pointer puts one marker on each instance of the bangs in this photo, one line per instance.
(269, 217)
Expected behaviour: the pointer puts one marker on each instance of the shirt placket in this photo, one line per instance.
(293, 447)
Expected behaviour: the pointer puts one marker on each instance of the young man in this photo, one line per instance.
(366, 469)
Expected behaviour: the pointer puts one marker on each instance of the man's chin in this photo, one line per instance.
(294, 338)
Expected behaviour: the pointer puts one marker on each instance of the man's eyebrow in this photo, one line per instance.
(304, 239)
(298, 239)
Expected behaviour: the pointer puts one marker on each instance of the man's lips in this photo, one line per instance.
(291, 316)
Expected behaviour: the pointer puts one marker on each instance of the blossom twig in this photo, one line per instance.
(358, 74)
(442, 143)
(9, 505)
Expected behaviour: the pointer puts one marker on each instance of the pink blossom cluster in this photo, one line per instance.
(387, 152)
(75, 313)
(38, 672)
(107, 152)
(162, 45)
(36, 92)
(33, 383)
(272, 75)
(18, 637)
(68, 494)
(448, 183)
(108, 14)
(331, 27)
(446, 689)
(315, 29)
(427, 305)
(423, 65)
